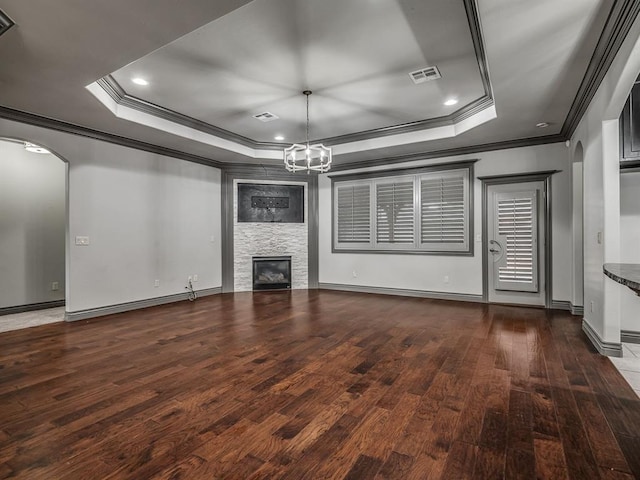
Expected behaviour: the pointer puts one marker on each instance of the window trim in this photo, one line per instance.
(418, 248)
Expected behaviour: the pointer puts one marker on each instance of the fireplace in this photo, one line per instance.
(271, 273)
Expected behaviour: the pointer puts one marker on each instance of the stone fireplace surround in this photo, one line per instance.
(270, 240)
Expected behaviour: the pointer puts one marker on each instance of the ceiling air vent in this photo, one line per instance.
(265, 117)
(425, 74)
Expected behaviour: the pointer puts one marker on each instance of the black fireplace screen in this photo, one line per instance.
(271, 273)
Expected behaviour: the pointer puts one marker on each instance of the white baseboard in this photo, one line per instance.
(561, 305)
(577, 310)
(610, 349)
(629, 336)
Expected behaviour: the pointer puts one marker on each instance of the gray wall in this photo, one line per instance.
(463, 274)
(32, 226)
(149, 217)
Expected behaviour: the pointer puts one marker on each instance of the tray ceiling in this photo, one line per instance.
(212, 65)
(356, 57)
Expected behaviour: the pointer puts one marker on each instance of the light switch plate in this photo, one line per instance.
(83, 241)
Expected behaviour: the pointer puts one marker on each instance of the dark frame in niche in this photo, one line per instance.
(270, 203)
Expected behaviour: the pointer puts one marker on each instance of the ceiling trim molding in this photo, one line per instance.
(623, 14)
(475, 28)
(117, 93)
(463, 113)
(60, 126)
(394, 172)
(121, 97)
(5, 22)
(65, 127)
(451, 152)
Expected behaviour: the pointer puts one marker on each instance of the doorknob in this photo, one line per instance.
(498, 248)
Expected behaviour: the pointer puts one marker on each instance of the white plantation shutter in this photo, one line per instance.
(517, 233)
(425, 210)
(353, 213)
(444, 210)
(395, 217)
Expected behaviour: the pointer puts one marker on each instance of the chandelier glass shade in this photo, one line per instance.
(312, 158)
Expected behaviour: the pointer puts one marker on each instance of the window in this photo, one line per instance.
(354, 214)
(418, 211)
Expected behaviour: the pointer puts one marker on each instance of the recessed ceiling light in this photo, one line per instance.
(542, 125)
(32, 147)
(279, 138)
(451, 101)
(140, 81)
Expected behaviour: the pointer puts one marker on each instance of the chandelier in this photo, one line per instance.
(316, 158)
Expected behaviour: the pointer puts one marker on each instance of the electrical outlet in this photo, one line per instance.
(592, 306)
(189, 279)
(446, 279)
(195, 278)
(355, 274)
(55, 286)
(599, 238)
(212, 239)
(156, 283)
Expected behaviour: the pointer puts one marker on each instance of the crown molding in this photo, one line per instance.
(450, 152)
(60, 126)
(5, 22)
(623, 14)
(471, 7)
(117, 93)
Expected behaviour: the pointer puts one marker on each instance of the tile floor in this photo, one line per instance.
(16, 321)
(629, 365)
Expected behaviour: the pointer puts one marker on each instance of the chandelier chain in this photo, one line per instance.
(307, 93)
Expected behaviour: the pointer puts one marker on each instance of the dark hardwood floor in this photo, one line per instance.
(315, 385)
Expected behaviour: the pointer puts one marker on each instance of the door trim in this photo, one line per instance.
(488, 181)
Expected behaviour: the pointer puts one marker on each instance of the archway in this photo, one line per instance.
(577, 291)
(33, 230)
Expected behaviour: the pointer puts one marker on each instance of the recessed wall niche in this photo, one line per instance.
(270, 203)
(269, 238)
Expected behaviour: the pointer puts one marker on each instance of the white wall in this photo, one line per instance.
(32, 226)
(427, 272)
(148, 217)
(629, 242)
(598, 134)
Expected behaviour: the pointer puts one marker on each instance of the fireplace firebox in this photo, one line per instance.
(271, 273)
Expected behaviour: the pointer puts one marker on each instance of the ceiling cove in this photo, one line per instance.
(479, 110)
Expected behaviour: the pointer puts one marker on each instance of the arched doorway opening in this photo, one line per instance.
(33, 231)
(577, 294)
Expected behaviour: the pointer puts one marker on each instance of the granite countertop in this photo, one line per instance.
(627, 274)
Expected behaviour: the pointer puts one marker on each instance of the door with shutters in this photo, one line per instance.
(515, 233)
